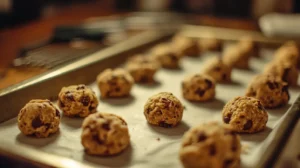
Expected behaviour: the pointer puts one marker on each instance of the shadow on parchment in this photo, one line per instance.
(120, 160)
(180, 129)
(155, 84)
(121, 101)
(215, 104)
(279, 111)
(258, 137)
(37, 142)
(232, 83)
(74, 122)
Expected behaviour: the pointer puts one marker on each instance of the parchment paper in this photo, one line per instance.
(153, 146)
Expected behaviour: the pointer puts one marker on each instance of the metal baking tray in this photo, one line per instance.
(162, 146)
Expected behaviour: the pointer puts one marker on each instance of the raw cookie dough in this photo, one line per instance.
(185, 46)
(245, 115)
(142, 68)
(77, 101)
(104, 134)
(163, 109)
(39, 118)
(166, 56)
(270, 90)
(198, 87)
(288, 53)
(210, 44)
(287, 72)
(236, 56)
(247, 44)
(210, 145)
(216, 68)
(115, 83)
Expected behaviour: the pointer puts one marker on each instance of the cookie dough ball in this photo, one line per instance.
(198, 87)
(104, 134)
(288, 53)
(286, 72)
(210, 145)
(219, 71)
(142, 68)
(245, 115)
(163, 109)
(248, 46)
(210, 44)
(39, 118)
(185, 46)
(270, 90)
(115, 83)
(236, 56)
(77, 101)
(166, 56)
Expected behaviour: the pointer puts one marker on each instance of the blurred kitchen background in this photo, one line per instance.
(15, 12)
(38, 35)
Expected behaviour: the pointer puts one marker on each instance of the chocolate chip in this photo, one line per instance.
(227, 163)
(209, 83)
(85, 100)
(164, 124)
(242, 116)
(96, 138)
(260, 106)
(285, 90)
(173, 57)
(200, 92)
(69, 96)
(91, 108)
(117, 89)
(271, 85)
(57, 113)
(224, 76)
(144, 79)
(36, 122)
(248, 125)
(106, 126)
(217, 69)
(61, 104)
(212, 150)
(80, 87)
(48, 125)
(285, 74)
(201, 137)
(227, 118)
